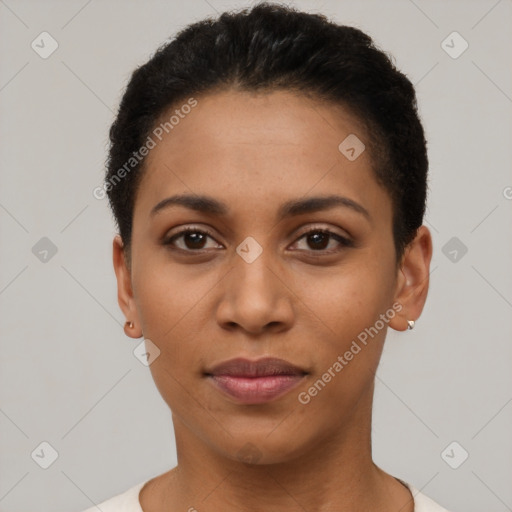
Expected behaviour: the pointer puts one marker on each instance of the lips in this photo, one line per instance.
(253, 382)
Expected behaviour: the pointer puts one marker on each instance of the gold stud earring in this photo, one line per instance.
(129, 325)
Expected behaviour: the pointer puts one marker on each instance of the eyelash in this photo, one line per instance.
(343, 241)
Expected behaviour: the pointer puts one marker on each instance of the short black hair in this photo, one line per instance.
(275, 47)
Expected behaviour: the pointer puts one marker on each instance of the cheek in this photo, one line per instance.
(172, 318)
(173, 307)
(343, 302)
(345, 310)
(169, 295)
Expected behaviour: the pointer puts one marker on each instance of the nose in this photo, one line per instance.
(256, 297)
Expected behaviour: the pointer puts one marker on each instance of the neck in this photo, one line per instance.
(335, 472)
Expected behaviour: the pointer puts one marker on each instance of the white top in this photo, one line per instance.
(128, 501)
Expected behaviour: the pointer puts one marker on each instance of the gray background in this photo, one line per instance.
(68, 373)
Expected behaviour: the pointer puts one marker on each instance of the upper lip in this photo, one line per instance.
(266, 366)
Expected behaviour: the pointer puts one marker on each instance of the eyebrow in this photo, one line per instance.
(209, 205)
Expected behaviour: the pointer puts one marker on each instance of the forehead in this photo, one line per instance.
(260, 147)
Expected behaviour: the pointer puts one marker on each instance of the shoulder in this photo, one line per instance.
(127, 501)
(423, 503)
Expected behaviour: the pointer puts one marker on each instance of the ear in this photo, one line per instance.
(124, 289)
(413, 279)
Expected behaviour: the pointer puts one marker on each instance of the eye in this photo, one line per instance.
(320, 239)
(192, 239)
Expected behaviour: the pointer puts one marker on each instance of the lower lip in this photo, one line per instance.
(256, 390)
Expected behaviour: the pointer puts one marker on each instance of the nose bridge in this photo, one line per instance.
(252, 274)
(254, 296)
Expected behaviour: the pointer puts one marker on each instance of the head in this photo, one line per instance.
(296, 160)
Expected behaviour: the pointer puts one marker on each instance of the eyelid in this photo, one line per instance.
(343, 241)
(325, 229)
(188, 228)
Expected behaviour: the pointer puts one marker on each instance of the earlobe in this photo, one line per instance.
(413, 280)
(125, 290)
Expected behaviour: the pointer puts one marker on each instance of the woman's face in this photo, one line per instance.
(249, 282)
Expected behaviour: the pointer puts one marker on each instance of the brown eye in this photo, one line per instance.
(190, 239)
(194, 240)
(318, 240)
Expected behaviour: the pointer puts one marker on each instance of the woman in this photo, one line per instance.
(268, 175)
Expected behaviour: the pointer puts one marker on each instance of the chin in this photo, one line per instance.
(259, 446)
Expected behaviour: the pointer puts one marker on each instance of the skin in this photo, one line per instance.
(296, 302)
